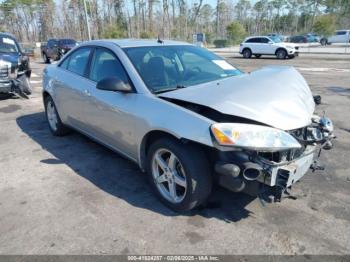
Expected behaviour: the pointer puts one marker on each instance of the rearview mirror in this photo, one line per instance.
(114, 84)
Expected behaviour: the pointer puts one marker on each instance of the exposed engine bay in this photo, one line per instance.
(267, 173)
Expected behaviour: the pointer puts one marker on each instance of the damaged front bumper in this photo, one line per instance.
(13, 81)
(273, 173)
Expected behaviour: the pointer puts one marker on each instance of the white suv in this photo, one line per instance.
(264, 45)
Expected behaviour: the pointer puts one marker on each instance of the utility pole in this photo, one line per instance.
(87, 21)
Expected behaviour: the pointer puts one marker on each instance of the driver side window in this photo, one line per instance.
(105, 64)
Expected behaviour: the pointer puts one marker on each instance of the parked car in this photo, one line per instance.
(312, 38)
(298, 39)
(340, 36)
(278, 36)
(264, 45)
(14, 67)
(56, 48)
(187, 117)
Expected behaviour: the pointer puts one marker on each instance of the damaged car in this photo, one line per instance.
(189, 118)
(14, 67)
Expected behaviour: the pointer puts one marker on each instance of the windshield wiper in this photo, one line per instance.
(168, 89)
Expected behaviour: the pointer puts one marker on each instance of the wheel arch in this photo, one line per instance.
(155, 135)
(247, 48)
(281, 48)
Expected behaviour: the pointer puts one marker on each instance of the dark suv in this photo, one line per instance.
(56, 48)
(14, 67)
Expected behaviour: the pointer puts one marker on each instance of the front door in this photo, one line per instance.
(109, 114)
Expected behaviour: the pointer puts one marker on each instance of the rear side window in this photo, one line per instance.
(341, 33)
(264, 40)
(105, 64)
(77, 61)
(253, 40)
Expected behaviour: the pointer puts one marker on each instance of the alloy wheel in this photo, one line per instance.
(169, 175)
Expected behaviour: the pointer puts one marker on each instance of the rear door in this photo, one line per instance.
(254, 44)
(72, 88)
(266, 47)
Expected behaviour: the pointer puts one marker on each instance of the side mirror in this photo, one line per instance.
(114, 84)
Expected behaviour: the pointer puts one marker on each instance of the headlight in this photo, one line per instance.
(254, 137)
(63, 51)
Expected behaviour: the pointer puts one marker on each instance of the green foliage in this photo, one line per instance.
(324, 25)
(236, 32)
(146, 34)
(220, 43)
(113, 32)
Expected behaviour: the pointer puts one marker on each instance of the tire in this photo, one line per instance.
(189, 168)
(46, 59)
(247, 53)
(281, 54)
(56, 126)
(257, 56)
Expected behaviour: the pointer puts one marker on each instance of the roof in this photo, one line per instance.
(142, 42)
(7, 34)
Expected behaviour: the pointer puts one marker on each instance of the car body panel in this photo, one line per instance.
(257, 96)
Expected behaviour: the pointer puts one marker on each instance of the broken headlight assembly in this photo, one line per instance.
(254, 137)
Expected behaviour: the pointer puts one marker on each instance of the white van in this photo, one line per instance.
(340, 36)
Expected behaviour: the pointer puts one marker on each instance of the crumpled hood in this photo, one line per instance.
(277, 96)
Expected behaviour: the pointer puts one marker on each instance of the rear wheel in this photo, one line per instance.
(56, 126)
(281, 54)
(247, 53)
(179, 174)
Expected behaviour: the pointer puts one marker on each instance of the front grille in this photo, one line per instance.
(4, 72)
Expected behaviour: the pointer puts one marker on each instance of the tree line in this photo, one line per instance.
(38, 20)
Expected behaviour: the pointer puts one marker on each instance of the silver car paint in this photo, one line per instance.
(123, 121)
(277, 96)
(120, 121)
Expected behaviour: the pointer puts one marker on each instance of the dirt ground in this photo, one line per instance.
(70, 195)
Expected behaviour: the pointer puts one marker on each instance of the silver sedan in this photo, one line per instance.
(188, 117)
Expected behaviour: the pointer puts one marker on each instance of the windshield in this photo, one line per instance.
(7, 45)
(163, 68)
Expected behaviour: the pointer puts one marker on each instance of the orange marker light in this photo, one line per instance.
(221, 137)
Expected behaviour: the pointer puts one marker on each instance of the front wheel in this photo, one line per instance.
(179, 174)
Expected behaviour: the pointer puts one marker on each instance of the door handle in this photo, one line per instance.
(86, 92)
